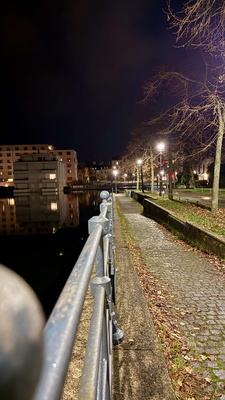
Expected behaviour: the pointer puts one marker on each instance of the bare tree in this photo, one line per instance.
(144, 145)
(198, 114)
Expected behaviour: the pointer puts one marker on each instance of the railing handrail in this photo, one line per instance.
(63, 322)
(62, 325)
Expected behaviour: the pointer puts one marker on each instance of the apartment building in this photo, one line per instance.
(42, 172)
(69, 158)
(11, 153)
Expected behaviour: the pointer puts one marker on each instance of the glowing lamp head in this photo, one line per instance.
(161, 147)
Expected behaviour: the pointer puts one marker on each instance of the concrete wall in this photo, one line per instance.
(199, 237)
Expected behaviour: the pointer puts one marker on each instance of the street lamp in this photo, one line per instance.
(160, 148)
(139, 162)
(115, 173)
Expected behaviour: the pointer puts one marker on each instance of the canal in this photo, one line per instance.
(42, 237)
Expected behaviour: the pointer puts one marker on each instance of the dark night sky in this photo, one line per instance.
(74, 70)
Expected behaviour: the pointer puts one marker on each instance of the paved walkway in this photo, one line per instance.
(197, 292)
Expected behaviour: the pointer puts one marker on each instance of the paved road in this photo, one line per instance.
(196, 291)
(200, 197)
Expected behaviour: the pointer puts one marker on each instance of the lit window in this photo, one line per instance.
(54, 206)
(52, 176)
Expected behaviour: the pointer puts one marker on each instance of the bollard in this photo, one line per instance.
(21, 337)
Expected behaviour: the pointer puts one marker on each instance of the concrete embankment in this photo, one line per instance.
(201, 238)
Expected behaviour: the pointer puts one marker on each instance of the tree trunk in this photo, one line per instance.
(170, 186)
(216, 178)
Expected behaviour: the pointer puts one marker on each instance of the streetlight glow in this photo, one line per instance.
(160, 146)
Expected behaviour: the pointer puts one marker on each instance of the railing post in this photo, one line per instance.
(94, 371)
(117, 334)
(100, 256)
(104, 375)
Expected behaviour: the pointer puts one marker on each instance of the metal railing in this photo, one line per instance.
(25, 368)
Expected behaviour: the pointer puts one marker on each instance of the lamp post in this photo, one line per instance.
(160, 148)
(139, 163)
(115, 173)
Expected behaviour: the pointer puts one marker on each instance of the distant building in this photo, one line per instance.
(69, 158)
(11, 153)
(94, 172)
(41, 172)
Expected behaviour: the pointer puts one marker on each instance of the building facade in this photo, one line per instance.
(11, 153)
(69, 158)
(41, 172)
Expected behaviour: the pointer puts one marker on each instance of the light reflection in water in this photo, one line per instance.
(38, 214)
(42, 243)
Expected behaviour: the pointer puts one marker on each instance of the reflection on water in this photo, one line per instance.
(42, 237)
(38, 214)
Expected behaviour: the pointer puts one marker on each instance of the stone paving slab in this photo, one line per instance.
(197, 292)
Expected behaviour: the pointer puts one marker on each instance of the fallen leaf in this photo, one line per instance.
(179, 382)
(189, 369)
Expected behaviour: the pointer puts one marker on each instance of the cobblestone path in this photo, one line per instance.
(198, 292)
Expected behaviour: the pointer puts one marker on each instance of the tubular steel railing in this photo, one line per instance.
(28, 373)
